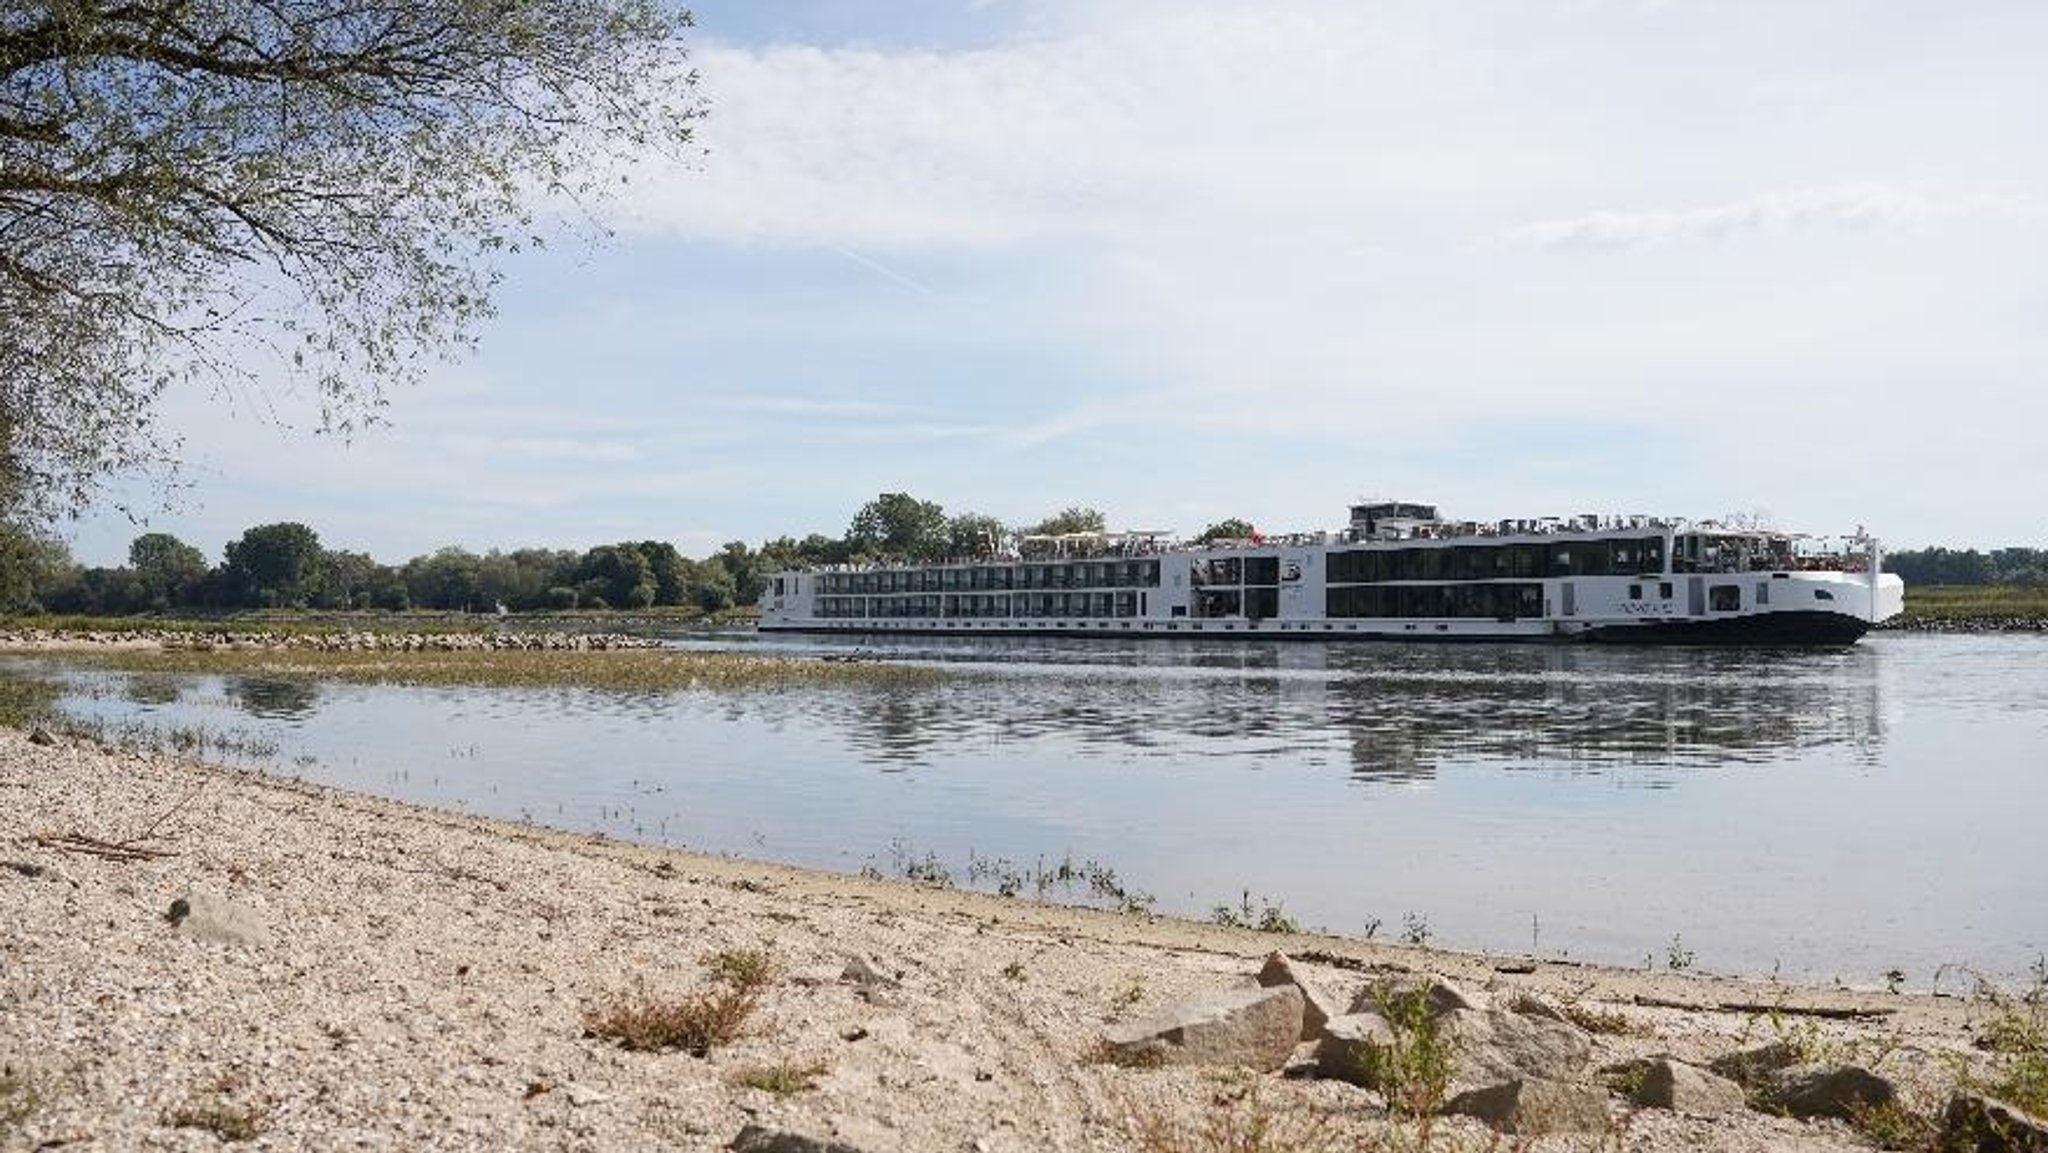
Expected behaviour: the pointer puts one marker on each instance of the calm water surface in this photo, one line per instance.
(1823, 814)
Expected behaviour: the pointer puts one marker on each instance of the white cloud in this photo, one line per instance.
(1852, 206)
(1165, 255)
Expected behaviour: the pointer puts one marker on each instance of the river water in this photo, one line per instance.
(1836, 814)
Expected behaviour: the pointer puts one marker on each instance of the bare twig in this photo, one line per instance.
(94, 847)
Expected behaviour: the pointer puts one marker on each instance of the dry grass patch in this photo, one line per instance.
(1238, 1121)
(1607, 1022)
(695, 1024)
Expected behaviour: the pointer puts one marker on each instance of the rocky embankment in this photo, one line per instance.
(1908, 623)
(358, 641)
(195, 955)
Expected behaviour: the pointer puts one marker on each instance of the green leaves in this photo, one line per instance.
(184, 187)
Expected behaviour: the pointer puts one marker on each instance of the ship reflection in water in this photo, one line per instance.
(1399, 713)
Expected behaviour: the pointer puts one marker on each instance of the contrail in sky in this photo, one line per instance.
(881, 269)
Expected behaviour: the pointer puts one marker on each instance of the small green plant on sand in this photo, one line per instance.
(1268, 917)
(783, 1078)
(1415, 1071)
(225, 1121)
(748, 969)
(1128, 995)
(1677, 957)
(18, 1099)
(2017, 1036)
(1014, 970)
(1892, 1125)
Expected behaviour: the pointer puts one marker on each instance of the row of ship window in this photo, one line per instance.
(1468, 600)
(1472, 600)
(1123, 604)
(1621, 556)
(1087, 574)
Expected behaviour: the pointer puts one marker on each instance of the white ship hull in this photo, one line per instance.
(1643, 583)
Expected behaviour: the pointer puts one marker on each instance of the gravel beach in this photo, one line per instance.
(354, 973)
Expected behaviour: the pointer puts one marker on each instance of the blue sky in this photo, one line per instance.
(1191, 260)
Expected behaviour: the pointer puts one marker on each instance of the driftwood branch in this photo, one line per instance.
(132, 848)
(1832, 1013)
(95, 847)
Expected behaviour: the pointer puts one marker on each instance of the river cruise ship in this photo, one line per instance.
(1399, 572)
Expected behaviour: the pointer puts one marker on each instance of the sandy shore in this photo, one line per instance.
(407, 978)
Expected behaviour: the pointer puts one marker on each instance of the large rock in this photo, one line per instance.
(1316, 1007)
(1490, 1047)
(1391, 996)
(1664, 1082)
(1354, 1047)
(1255, 1027)
(1533, 1107)
(1752, 1068)
(1530, 1005)
(761, 1139)
(209, 917)
(1974, 1123)
(1844, 1091)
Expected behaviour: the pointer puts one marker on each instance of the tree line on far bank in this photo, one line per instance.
(1949, 566)
(284, 565)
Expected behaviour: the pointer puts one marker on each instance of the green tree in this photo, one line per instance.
(672, 571)
(899, 525)
(274, 565)
(711, 587)
(242, 191)
(449, 578)
(1069, 520)
(615, 576)
(1231, 529)
(168, 571)
(34, 568)
(744, 566)
(974, 535)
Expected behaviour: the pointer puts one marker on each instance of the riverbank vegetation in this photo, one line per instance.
(284, 566)
(1963, 604)
(646, 670)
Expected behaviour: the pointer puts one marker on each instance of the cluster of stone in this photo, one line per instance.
(1521, 1067)
(1984, 624)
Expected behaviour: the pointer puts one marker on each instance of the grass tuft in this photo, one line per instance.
(697, 1023)
(1607, 1022)
(18, 1099)
(225, 1121)
(1268, 917)
(1237, 1121)
(784, 1078)
(747, 970)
